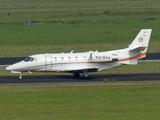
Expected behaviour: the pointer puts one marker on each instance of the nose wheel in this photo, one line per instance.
(20, 76)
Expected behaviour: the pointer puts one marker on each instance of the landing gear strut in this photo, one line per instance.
(85, 74)
(20, 76)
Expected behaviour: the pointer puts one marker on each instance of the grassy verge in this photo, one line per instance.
(81, 30)
(89, 102)
(91, 33)
(70, 4)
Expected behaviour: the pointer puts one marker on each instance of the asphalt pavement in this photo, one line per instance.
(68, 79)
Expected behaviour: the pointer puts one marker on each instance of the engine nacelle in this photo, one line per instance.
(100, 57)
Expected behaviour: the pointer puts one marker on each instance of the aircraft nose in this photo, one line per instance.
(13, 67)
(9, 68)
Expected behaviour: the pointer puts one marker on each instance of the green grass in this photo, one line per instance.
(70, 4)
(89, 102)
(84, 34)
(84, 30)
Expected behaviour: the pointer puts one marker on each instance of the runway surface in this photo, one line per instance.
(68, 79)
(74, 9)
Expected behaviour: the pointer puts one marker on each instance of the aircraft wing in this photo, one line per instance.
(88, 69)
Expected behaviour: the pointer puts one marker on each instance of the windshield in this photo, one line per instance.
(28, 59)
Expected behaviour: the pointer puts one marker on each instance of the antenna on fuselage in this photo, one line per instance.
(72, 51)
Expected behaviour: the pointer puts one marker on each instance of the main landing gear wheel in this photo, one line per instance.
(85, 74)
(86, 77)
(76, 75)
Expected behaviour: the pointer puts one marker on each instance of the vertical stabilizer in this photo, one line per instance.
(138, 47)
(141, 41)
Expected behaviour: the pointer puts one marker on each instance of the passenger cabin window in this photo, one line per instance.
(55, 58)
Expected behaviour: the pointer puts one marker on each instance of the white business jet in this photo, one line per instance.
(85, 62)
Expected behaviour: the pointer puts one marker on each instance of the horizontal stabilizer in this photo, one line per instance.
(138, 49)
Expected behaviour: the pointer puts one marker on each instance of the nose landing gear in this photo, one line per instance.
(20, 76)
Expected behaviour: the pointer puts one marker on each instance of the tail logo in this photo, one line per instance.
(140, 39)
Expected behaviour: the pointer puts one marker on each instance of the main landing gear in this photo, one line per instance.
(76, 75)
(85, 74)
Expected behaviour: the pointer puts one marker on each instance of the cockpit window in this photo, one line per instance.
(28, 59)
(31, 59)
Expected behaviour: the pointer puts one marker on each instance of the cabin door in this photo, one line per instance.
(48, 62)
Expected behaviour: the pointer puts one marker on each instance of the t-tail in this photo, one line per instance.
(141, 41)
(138, 48)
